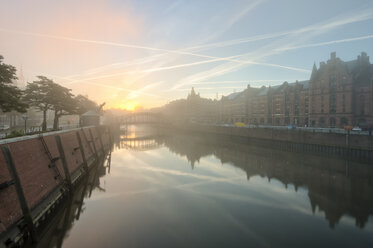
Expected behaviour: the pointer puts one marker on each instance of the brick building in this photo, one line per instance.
(341, 93)
(338, 94)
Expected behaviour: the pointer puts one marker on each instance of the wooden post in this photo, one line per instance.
(110, 138)
(93, 142)
(63, 160)
(89, 145)
(100, 140)
(21, 195)
(85, 164)
(66, 221)
(82, 196)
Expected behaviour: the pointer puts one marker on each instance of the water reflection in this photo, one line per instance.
(335, 187)
(184, 190)
(53, 233)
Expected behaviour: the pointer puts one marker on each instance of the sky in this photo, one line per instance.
(145, 53)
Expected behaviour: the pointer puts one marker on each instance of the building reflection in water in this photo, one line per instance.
(335, 187)
(53, 233)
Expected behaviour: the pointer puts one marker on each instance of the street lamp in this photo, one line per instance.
(24, 117)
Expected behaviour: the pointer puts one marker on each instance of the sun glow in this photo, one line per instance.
(130, 106)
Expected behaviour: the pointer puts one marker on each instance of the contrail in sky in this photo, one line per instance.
(309, 32)
(108, 43)
(237, 82)
(109, 86)
(367, 15)
(329, 25)
(326, 43)
(151, 49)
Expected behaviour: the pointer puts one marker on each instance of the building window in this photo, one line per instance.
(362, 104)
(287, 120)
(322, 122)
(361, 123)
(332, 122)
(344, 121)
(296, 121)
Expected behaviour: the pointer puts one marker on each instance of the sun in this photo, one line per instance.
(130, 106)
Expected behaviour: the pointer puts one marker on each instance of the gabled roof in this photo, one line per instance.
(90, 113)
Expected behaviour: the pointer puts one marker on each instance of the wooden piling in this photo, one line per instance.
(64, 163)
(100, 139)
(21, 195)
(94, 144)
(85, 164)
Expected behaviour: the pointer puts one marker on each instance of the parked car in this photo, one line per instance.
(3, 127)
(290, 127)
(356, 129)
(239, 124)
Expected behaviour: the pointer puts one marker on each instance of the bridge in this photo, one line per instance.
(144, 143)
(142, 118)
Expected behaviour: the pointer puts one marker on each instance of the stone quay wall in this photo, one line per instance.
(38, 170)
(352, 146)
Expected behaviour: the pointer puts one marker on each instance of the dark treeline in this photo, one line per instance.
(42, 94)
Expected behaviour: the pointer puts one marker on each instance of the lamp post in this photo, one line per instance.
(24, 117)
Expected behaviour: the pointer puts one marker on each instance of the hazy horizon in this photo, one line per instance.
(132, 53)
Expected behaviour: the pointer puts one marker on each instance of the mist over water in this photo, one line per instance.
(182, 190)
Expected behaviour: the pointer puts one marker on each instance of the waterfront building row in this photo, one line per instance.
(338, 94)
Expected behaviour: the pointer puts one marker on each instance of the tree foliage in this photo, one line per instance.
(44, 94)
(64, 103)
(84, 104)
(10, 95)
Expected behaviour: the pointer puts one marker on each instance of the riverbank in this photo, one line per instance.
(348, 146)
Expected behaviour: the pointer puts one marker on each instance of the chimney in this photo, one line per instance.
(333, 56)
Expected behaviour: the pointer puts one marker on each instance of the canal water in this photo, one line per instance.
(166, 189)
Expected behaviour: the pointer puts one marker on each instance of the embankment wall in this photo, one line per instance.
(34, 171)
(359, 147)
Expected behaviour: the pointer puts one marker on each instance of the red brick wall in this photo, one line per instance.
(10, 210)
(72, 152)
(31, 162)
(88, 152)
(36, 177)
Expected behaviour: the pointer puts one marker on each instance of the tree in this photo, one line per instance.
(10, 95)
(64, 103)
(39, 95)
(84, 104)
(45, 95)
